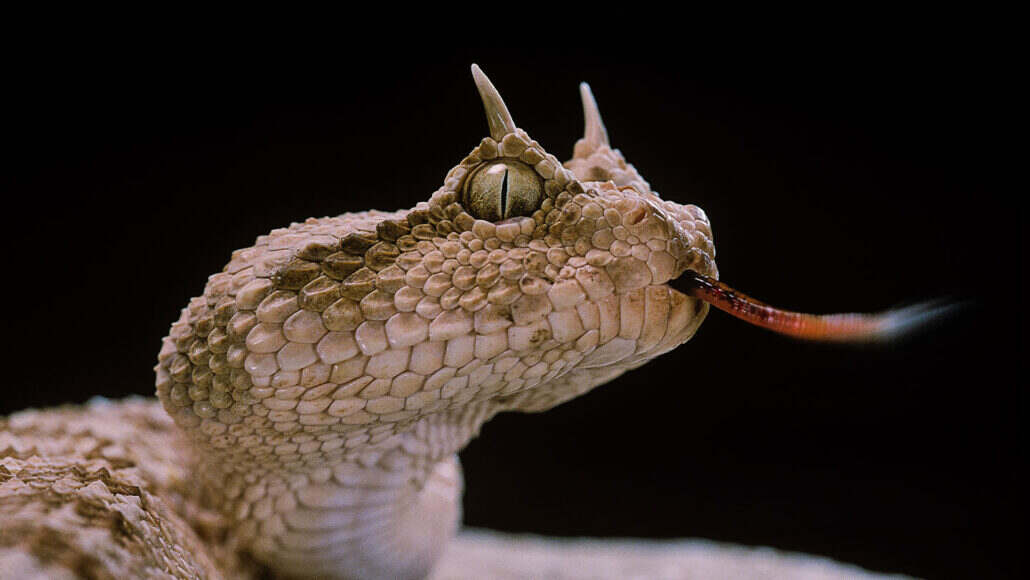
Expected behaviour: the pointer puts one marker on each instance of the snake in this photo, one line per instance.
(314, 397)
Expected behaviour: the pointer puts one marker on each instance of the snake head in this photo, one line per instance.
(520, 283)
(556, 274)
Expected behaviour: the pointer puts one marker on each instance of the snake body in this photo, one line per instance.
(324, 381)
(329, 374)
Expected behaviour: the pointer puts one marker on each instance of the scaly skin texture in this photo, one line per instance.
(327, 377)
(104, 491)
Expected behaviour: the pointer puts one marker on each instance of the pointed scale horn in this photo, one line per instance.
(594, 134)
(497, 114)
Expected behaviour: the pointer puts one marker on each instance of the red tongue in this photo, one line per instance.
(823, 328)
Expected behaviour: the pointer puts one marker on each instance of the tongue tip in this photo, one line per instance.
(910, 320)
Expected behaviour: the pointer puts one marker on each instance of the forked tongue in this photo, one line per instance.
(824, 328)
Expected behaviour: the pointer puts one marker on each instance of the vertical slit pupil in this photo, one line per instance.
(504, 194)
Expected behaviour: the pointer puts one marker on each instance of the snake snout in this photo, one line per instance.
(638, 238)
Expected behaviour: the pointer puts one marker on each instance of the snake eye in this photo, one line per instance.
(501, 190)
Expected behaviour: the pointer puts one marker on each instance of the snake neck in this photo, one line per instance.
(386, 510)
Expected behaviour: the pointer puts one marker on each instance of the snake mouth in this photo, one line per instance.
(847, 328)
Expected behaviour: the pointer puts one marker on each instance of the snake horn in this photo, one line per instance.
(497, 114)
(594, 133)
(850, 327)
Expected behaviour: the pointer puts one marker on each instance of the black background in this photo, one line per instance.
(839, 176)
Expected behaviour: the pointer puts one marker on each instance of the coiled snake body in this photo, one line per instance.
(327, 377)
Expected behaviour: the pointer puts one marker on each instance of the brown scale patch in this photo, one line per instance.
(381, 255)
(424, 231)
(358, 284)
(418, 216)
(342, 264)
(390, 230)
(407, 243)
(318, 294)
(224, 311)
(295, 275)
(358, 242)
(444, 227)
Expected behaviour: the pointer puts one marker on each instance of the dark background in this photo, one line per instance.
(850, 176)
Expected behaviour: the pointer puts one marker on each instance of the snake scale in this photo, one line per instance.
(326, 378)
